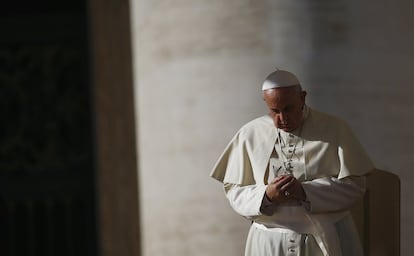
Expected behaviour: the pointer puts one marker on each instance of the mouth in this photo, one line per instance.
(285, 127)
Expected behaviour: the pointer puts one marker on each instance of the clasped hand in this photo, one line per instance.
(285, 188)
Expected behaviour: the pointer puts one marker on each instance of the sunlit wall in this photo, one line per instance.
(198, 70)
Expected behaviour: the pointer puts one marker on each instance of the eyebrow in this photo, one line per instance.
(285, 108)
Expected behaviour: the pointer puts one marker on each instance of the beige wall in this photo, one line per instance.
(198, 70)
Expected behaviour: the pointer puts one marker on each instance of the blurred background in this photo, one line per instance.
(115, 111)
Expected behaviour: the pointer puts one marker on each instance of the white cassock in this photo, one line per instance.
(330, 163)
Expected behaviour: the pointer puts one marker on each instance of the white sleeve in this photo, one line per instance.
(248, 201)
(332, 194)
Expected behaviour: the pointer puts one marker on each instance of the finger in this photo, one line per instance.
(275, 180)
(288, 185)
(283, 181)
(278, 178)
(291, 186)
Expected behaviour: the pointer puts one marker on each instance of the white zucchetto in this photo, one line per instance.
(280, 78)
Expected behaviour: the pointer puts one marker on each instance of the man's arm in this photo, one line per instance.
(245, 200)
(332, 194)
(254, 200)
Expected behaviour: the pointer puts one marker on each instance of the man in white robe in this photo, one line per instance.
(295, 173)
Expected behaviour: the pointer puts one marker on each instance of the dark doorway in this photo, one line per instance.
(47, 201)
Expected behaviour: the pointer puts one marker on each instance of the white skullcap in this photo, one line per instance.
(280, 78)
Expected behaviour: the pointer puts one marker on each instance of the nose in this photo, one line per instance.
(282, 117)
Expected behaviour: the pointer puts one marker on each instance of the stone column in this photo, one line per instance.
(116, 155)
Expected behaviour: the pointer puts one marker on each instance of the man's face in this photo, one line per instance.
(285, 107)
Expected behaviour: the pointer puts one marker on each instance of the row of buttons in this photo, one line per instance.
(292, 247)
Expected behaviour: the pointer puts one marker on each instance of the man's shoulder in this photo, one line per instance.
(259, 126)
(325, 118)
(263, 122)
(326, 124)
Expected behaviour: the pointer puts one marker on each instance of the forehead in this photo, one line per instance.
(282, 96)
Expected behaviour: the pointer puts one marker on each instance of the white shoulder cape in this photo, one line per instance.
(329, 144)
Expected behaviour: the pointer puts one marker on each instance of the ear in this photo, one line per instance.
(303, 96)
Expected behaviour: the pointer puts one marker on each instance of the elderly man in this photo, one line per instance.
(295, 173)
